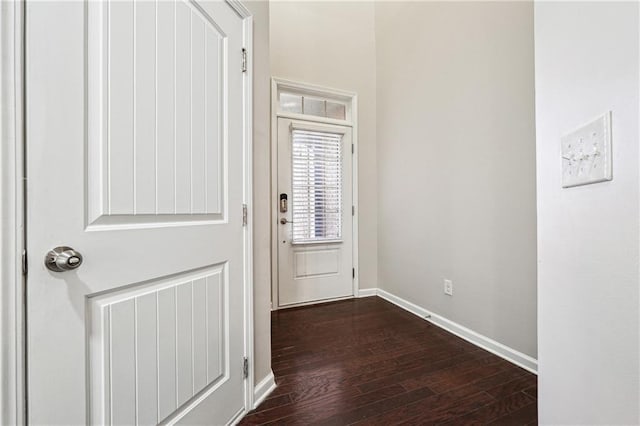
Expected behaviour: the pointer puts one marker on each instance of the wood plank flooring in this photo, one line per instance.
(368, 362)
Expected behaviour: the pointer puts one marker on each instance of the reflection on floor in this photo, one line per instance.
(366, 361)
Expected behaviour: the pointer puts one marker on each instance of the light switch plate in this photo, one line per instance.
(586, 153)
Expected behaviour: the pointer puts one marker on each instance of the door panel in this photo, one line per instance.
(135, 159)
(156, 140)
(316, 263)
(315, 240)
(165, 341)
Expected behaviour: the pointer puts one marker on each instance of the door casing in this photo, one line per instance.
(14, 257)
(351, 98)
(12, 237)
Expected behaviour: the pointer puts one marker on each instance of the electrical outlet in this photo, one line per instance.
(448, 287)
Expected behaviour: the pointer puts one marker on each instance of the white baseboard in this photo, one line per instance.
(262, 390)
(367, 292)
(503, 351)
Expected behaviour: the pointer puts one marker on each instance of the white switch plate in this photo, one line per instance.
(448, 287)
(586, 153)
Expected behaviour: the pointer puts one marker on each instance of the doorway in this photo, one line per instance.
(315, 223)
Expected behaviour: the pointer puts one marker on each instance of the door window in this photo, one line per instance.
(316, 186)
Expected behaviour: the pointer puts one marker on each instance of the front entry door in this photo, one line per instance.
(135, 162)
(314, 212)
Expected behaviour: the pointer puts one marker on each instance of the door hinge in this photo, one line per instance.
(353, 148)
(244, 60)
(245, 215)
(245, 368)
(25, 263)
(353, 210)
(353, 273)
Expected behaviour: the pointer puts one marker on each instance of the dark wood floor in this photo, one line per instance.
(366, 361)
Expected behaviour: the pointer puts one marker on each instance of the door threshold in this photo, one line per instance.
(314, 302)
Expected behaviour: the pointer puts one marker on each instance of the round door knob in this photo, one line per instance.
(62, 259)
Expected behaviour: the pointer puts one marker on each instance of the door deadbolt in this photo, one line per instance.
(62, 259)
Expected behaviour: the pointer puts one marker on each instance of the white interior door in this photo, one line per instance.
(315, 222)
(135, 160)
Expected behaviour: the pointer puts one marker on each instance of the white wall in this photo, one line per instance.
(261, 188)
(589, 323)
(456, 169)
(332, 44)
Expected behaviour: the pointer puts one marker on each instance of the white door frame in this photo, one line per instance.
(350, 98)
(12, 377)
(13, 402)
(247, 166)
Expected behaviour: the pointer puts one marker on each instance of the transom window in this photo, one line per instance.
(310, 105)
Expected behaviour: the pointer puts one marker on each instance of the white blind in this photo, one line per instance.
(316, 186)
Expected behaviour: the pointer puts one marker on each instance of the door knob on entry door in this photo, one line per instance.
(62, 259)
(284, 221)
